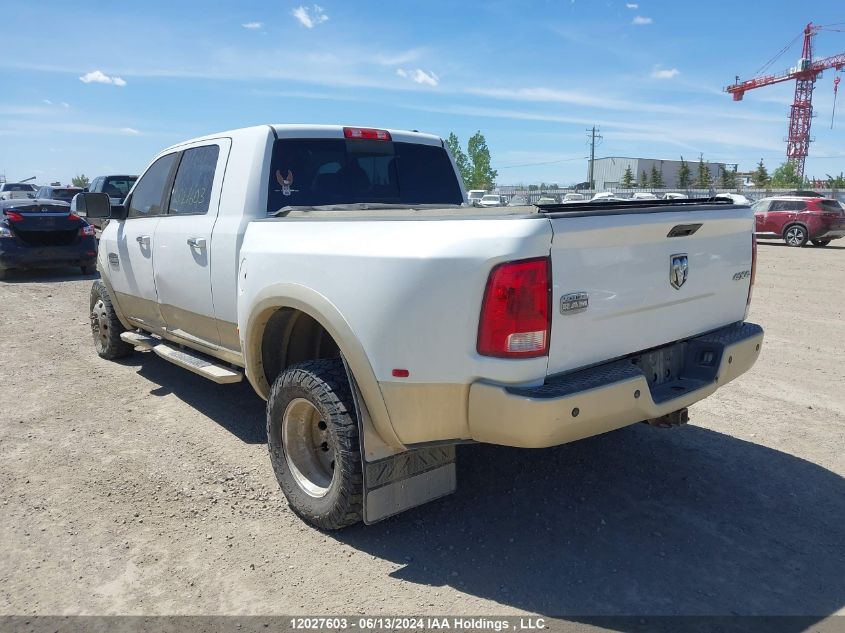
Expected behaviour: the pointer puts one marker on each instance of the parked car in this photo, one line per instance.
(574, 197)
(44, 233)
(273, 253)
(675, 196)
(610, 198)
(474, 197)
(518, 201)
(16, 190)
(65, 194)
(604, 195)
(493, 200)
(643, 195)
(116, 187)
(547, 199)
(798, 220)
(736, 198)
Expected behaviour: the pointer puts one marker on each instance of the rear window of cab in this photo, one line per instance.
(317, 172)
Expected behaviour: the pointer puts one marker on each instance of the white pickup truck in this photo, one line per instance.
(384, 320)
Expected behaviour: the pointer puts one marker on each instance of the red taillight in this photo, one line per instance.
(753, 271)
(13, 216)
(87, 231)
(515, 314)
(73, 216)
(366, 133)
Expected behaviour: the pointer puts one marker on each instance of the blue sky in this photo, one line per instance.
(94, 90)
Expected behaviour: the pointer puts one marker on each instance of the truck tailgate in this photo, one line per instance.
(615, 291)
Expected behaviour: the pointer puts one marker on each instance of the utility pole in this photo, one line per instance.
(593, 137)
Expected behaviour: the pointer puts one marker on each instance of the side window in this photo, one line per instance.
(148, 197)
(797, 205)
(760, 207)
(778, 205)
(191, 192)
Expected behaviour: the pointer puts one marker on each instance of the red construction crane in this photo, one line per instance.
(805, 75)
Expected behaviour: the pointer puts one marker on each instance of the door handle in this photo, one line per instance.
(196, 242)
(143, 239)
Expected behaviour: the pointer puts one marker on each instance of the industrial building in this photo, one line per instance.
(608, 172)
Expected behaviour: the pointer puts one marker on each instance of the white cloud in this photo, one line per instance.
(418, 75)
(65, 104)
(130, 131)
(309, 18)
(99, 77)
(632, 5)
(665, 73)
(640, 20)
(253, 25)
(48, 102)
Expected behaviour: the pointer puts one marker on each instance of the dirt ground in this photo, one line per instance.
(139, 488)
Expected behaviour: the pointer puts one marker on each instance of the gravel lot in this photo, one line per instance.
(139, 488)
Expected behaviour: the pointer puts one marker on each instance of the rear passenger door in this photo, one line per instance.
(129, 246)
(184, 241)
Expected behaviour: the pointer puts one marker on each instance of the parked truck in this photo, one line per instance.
(341, 271)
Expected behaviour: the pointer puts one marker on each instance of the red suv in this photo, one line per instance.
(799, 220)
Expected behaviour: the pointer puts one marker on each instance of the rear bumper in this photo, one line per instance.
(608, 397)
(13, 254)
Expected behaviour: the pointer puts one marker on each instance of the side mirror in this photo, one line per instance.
(92, 205)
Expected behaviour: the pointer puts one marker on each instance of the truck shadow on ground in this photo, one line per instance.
(47, 275)
(642, 521)
(235, 407)
(638, 522)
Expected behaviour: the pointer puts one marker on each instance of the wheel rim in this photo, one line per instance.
(794, 236)
(308, 446)
(100, 324)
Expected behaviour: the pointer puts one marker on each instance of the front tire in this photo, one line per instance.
(795, 235)
(312, 435)
(821, 243)
(105, 326)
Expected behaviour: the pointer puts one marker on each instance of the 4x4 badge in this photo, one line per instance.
(678, 270)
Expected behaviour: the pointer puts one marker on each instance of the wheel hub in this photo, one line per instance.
(100, 323)
(308, 447)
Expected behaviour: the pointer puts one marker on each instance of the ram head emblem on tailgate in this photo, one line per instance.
(678, 270)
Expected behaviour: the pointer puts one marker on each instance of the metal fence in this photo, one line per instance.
(753, 194)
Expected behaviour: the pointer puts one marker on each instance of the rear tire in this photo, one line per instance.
(821, 243)
(312, 435)
(795, 235)
(105, 326)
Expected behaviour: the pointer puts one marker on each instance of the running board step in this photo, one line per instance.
(186, 359)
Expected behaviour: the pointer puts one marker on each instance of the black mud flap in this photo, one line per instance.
(398, 481)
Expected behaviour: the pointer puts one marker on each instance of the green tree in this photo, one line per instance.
(80, 181)
(656, 178)
(628, 178)
(643, 180)
(461, 160)
(836, 182)
(786, 176)
(729, 178)
(684, 175)
(760, 177)
(482, 174)
(704, 179)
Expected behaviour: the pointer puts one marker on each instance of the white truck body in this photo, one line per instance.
(400, 291)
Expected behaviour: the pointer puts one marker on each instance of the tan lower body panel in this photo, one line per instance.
(426, 412)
